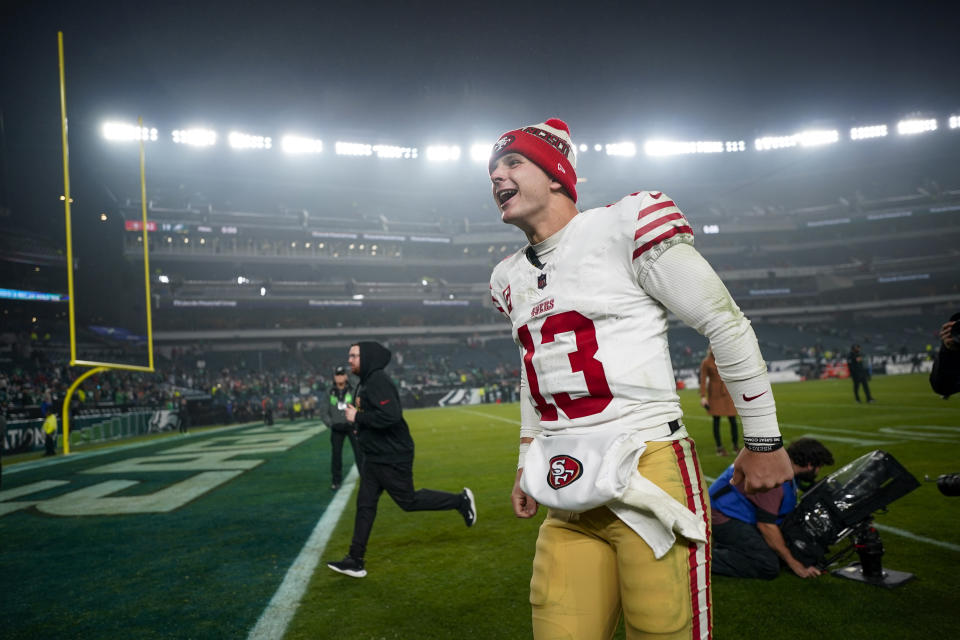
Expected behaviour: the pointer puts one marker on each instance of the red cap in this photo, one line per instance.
(547, 145)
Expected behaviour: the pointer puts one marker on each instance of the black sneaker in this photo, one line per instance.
(349, 566)
(469, 508)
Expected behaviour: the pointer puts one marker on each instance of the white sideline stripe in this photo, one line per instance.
(913, 536)
(274, 620)
(487, 415)
(895, 531)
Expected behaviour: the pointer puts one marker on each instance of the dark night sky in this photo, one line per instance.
(413, 73)
(414, 67)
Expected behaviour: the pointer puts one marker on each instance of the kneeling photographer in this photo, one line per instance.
(747, 542)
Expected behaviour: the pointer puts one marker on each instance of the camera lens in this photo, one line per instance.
(949, 484)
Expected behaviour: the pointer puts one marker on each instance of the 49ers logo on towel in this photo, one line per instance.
(564, 470)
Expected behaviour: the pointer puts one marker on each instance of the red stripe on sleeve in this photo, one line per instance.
(650, 226)
(660, 238)
(655, 207)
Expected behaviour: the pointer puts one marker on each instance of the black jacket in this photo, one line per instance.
(858, 370)
(945, 376)
(384, 435)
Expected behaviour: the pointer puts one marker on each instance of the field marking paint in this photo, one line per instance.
(878, 405)
(96, 500)
(487, 415)
(7, 503)
(925, 432)
(15, 467)
(274, 620)
(913, 536)
(215, 464)
(894, 530)
(825, 433)
(859, 442)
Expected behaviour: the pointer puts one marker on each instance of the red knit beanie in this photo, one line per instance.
(547, 145)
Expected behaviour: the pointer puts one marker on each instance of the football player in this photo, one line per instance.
(587, 299)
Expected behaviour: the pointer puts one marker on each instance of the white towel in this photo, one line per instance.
(656, 516)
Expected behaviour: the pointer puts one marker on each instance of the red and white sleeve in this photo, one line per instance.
(659, 225)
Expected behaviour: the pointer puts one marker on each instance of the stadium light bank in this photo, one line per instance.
(124, 132)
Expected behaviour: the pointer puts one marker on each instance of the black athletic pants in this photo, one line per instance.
(866, 388)
(733, 431)
(336, 451)
(396, 480)
(741, 552)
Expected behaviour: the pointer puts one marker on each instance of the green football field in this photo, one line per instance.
(223, 534)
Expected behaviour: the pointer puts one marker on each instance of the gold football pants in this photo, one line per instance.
(590, 567)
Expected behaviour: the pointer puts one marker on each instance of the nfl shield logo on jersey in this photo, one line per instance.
(541, 281)
(564, 470)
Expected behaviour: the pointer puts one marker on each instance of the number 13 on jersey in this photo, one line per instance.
(581, 360)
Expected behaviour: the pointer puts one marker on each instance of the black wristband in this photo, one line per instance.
(763, 445)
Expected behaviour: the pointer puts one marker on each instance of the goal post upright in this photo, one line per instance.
(96, 367)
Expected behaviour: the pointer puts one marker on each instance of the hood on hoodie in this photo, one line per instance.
(373, 356)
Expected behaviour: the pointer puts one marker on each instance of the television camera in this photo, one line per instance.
(841, 507)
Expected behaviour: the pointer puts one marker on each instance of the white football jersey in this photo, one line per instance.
(593, 343)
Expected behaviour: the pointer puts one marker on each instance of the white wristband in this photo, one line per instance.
(523, 454)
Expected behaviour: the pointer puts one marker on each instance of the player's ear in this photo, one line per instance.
(556, 187)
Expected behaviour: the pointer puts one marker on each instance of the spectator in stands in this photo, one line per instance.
(183, 416)
(747, 542)
(334, 414)
(387, 456)
(859, 373)
(267, 405)
(715, 398)
(50, 433)
(945, 376)
(915, 363)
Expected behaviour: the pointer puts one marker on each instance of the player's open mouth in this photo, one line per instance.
(506, 194)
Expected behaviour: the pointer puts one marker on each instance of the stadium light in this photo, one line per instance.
(817, 137)
(774, 142)
(624, 149)
(298, 144)
(583, 148)
(242, 280)
(914, 126)
(263, 291)
(733, 146)
(480, 152)
(598, 147)
(164, 279)
(867, 132)
(123, 132)
(443, 153)
(195, 137)
(240, 140)
(672, 148)
(391, 151)
(352, 149)
(954, 122)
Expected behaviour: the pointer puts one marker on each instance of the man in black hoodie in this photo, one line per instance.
(387, 456)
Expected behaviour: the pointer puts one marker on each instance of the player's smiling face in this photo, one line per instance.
(520, 188)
